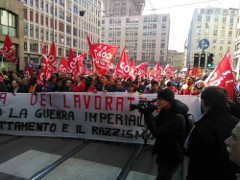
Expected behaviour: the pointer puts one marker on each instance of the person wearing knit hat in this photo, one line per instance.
(168, 127)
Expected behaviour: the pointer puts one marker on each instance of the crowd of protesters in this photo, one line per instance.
(63, 82)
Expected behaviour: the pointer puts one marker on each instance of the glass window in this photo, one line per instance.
(36, 3)
(37, 33)
(31, 31)
(4, 17)
(25, 29)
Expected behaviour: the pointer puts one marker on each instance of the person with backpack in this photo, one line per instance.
(168, 127)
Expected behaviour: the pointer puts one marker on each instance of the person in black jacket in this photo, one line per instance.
(168, 127)
(105, 86)
(208, 158)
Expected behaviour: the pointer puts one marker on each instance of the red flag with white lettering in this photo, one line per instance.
(45, 72)
(80, 66)
(7, 51)
(26, 70)
(63, 65)
(104, 54)
(52, 58)
(123, 67)
(222, 76)
(140, 69)
(132, 72)
(71, 62)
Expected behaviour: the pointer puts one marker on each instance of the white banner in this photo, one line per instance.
(101, 116)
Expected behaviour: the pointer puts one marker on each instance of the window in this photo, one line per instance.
(25, 30)
(224, 19)
(207, 18)
(68, 41)
(34, 47)
(25, 46)
(164, 18)
(216, 17)
(103, 21)
(61, 14)
(207, 25)
(47, 37)
(41, 5)
(7, 23)
(31, 2)
(75, 10)
(214, 32)
(229, 33)
(199, 17)
(46, 8)
(59, 52)
(37, 32)
(36, 4)
(162, 45)
(61, 39)
(74, 43)
(69, 29)
(31, 31)
(74, 31)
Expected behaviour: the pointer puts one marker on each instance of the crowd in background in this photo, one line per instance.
(62, 82)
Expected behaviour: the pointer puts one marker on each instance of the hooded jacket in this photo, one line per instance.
(168, 127)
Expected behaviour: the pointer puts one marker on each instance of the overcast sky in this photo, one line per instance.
(181, 16)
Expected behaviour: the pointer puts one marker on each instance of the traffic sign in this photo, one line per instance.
(203, 44)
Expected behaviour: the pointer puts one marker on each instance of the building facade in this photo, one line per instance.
(66, 21)
(144, 37)
(123, 7)
(216, 25)
(11, 21)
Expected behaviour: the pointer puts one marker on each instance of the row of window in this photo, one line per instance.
(215, 32)
(35, 48)
(78, 22)
(216, 18)
(218, 11)
(83, 3)
(45, 34)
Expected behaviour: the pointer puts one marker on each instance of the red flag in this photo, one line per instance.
(123, 67)
(71, 62)
(26, 70)
(52, 58)
(32, 70)
(63, 65)
(132, 72)
(80, 66)
(140, 69)
(156, 72)
(45, 72)
(190, 72)
(222, 76)
(168, 71)
(104, 54)
(195, 72)
(7, 51)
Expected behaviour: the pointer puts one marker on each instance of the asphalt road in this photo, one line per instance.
(24, 157)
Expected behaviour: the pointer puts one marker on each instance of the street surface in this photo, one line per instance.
(23, 157)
